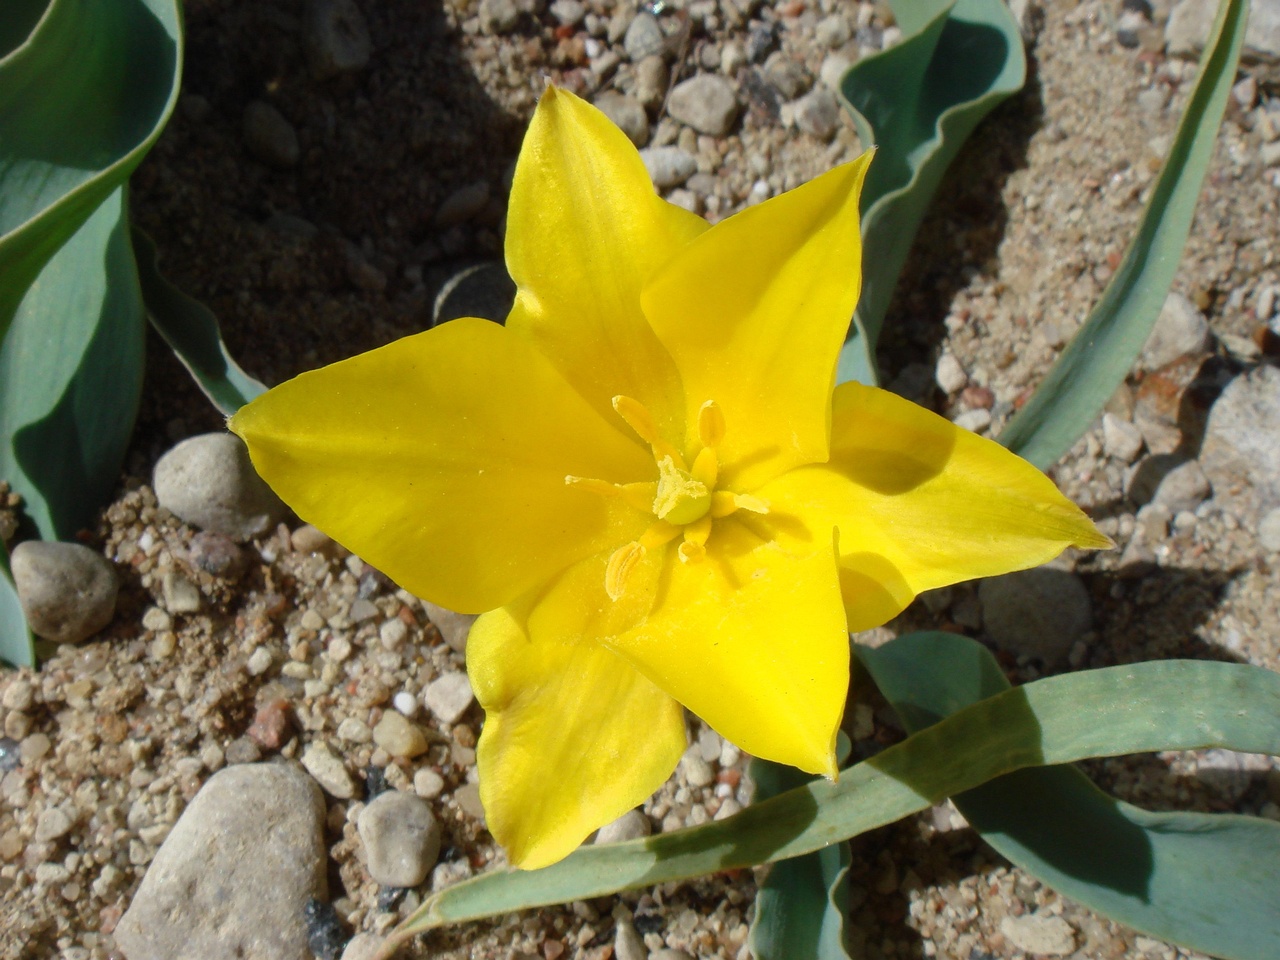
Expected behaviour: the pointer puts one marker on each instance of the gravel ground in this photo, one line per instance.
(317, 193)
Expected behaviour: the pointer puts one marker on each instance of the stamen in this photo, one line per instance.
(698, 531)
(639, 419)
(723, 503)
(706, 467)
(618, 569)
(710, 424)
(638, 495)
(658, 534)
(691, 552)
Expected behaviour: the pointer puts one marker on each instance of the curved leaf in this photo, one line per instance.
(191, 331)
(1102, 352)
(1205, 881)
(1170, 705)
(918, 102)
(802, 905)
(16, 643)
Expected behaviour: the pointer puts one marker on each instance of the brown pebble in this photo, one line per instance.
(270, 727)
(216, 554)
(974, 397)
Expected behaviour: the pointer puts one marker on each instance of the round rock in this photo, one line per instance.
(706, 102)
(632, 825)
(398, 736)
(235, 874)
(668, 166)
(1241, 450)
(1040, 612)
(269, 136)
(67, 591)
(208, 482)
(401, 839)
(336, 38)
(627, 113)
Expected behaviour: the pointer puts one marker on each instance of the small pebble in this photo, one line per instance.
(180, 594)
(463, 204)
(707, 103)
(975, 420)
(1120, 438)
(401, 838)
(427, 783)
(1040, 933)
(453, 627)
(336, 38)
(354, 730)
(628, 115)
(632, 825)
(406, 703)
(1183, 488)
(325, 934)
(328, 771)
(628, 944)
(818, 113)
(271, 726)
(1269, 531)
(269, 137)
(1180, 330)
(498, 16)
(948, 373)
(668, 166)
(400, 738)
(259, 662)
(53, 824)
(1040, 612)
(449, 696)
(67, 591)
(644, 37)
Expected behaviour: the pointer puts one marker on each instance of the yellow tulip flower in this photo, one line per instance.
(648, 482)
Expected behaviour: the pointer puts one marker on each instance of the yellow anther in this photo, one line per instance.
(691, 552)
(659, 533)
(698, 531)
(621, 562)
(638, 495)
(724, 503)
(706, 467)
(710, 424)
(639, 419)
(680, 498)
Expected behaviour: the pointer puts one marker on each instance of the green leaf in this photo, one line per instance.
(71, 376)
(20, 17)
(191, 331)
(802, 904)
(1169, 705)
(918, 102)
(81, 102)
(1205, 881)
(16, 643)
(1101, 354)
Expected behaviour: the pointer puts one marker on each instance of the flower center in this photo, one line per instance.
(684, 500)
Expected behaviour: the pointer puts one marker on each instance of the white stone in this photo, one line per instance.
(400, 738)
(208, 482)
(1184, 487)
(1121, 439)
(1040, 933)
(449, 696)
(632, 825)
(67, 591)
(1181, 330)
(406, 703)
(668, 166)
(707, 103)
(328, 770)
(949, 375)
(427, 783)
(259, 662)
(975, 420)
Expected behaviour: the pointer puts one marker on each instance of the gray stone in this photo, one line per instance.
(632, 825)
(707, 103)
(67, 591)
(53, 824)
(463, 204)
(568, 13)
(1040, 612)
(328, 770)
(652, 79)
(364, 946)
(1241, 450)
(498, 16)
(1184, 487)
(1231, 772)
(1190, 22)
(833, 31)
(627, 942)
(644, 37)
(449, 696)
(627, 113)
(1040, 933)
(269, 137)
(1120, 438)
(336, 38)
(482, 290)
(401, 839)
(453, 627)
(1181, 330)
(235, 873)
(695, 770)
(1269, 531)
(399, 736)
(817, 113)
(786, 76)
(209, 482)
(833, 69)
(668, 166)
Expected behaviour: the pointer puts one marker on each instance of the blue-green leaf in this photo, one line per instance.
(191, 331)
(1205, 881)
(918, 102)
(1102, 352)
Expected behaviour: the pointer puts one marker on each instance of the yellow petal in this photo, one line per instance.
(920, 503)
(441, 460)
(573, 737)
(752, 639)
(754, 312)
(584, 231)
